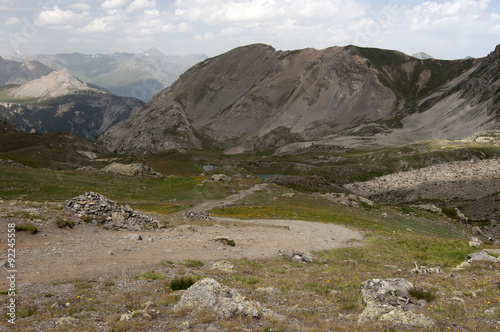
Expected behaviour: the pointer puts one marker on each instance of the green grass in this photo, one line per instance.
(317, 209)
(63, 222)
(181, 283)
(48, 185)
(26, 228)
(152, 275)
(193, 263)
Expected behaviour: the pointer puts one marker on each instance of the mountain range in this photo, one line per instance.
(13, 72)
(59, 101)
(254, 98)
(139, 75)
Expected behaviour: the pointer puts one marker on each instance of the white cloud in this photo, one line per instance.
(140, 4)
(458, 15)
(152, 12)
(220, 12)
(97, 25)
(113, 4)
(13, 21)
(58, 18)
(80, 6)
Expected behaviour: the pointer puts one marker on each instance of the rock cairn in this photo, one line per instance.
(198, 214)
(98, 209)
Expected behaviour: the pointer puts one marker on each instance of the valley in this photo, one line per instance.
(348, 189)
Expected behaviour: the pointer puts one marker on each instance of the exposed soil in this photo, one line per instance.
(89, 252)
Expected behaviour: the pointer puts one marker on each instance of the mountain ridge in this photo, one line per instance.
(13, 72)
(139, 75)
(254, 98)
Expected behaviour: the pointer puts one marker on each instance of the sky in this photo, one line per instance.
(445, 29)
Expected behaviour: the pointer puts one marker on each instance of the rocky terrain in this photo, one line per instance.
(257, 98)
(466, 181)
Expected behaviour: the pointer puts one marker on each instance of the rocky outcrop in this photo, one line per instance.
(222, 300)
(388, 300)
(136, 169)
(98, 209)
(465, 180)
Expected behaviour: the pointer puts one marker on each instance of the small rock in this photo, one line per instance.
(66, 321)
(185, 326)
(125, 317)
(135, 237)
(475, 242)
(223, 266)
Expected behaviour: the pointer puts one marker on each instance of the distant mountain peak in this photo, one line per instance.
(422, 56)
(152, 51)
(56, 84)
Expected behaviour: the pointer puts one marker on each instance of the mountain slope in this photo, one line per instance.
(257, 98)
(139, 75)
(61, 102)
(13, 72)
(55, 84)
(8, 128)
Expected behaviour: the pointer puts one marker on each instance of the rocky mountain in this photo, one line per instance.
(13, 72)
(55, 84)
(61, 102)
(139, 75)
(257, 98)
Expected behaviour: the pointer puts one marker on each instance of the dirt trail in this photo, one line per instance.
(87, 252)
(209, 205)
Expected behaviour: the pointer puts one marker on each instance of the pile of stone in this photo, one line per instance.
(198, 214)
(98, 209)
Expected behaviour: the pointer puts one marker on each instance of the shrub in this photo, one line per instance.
(422, 294)
(27, 228)
(181, 283)
(225, 241)
(63, 222)
(193, 263)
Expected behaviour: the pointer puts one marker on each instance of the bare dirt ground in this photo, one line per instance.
(89, 252)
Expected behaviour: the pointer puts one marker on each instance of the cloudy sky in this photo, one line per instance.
(447, 29)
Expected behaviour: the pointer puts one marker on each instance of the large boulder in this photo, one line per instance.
(224, 301)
